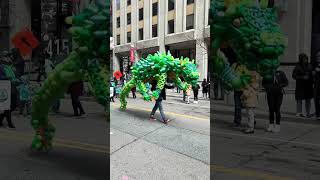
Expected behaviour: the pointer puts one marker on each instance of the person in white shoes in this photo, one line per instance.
(274, 90)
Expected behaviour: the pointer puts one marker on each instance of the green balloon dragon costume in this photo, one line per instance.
(159, 67)
(89, 31)
(250, 28)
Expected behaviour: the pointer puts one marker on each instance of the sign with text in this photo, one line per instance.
(5, 95)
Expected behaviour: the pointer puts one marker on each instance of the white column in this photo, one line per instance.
(123, 22)
(147, 18)
(162, 23)
(116, 62)
(134, 20)
(202, 58)
(201, 47)
(184, 16)
(179, 15)
(114, 24)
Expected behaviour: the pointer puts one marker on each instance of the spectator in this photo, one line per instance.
(195, 89)
(188, 93)
(250, 101)
(302, 73)
(317, 91)
(133, 90)
(205, 88)
(275, 91)
(112, 90)
(24, 95)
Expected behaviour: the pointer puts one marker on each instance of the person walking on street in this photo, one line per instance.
(274, 90)
(317, 91)
(205, 88)
(195, 89)
(24, 95)
(250, 100)
(76, 90)
(158, 105)
(302, 73)
(112, 91)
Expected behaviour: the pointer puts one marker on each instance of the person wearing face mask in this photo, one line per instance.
(302, 73)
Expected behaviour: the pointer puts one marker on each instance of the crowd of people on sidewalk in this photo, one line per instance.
(307, 78)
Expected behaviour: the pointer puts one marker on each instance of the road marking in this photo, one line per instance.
(265, 138)
(247, 173)
(57, 142)
(170, 113)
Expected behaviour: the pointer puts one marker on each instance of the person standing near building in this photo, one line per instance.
(250, 100)
(188, 93)
(195, 89)
(75, 91)
(317, 91)
(274, 89)
(302, 73)
(205, 88)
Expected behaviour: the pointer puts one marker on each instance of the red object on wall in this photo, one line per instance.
(132, 58)
(25, 41)
(117, 75)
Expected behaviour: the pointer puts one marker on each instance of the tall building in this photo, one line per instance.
(180, 26)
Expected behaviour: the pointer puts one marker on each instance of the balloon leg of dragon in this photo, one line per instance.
(159, 67)
(252, 31)
(89, 31)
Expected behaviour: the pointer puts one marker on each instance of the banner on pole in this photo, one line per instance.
(5, 95)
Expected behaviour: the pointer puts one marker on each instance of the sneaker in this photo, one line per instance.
(270, 128)
(249, 131)
(300, 115)
(276, 128)
(195, 102)
(11, 127)
(152, 119)
(166, 121)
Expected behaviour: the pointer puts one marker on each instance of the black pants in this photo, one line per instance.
(195, 95)
(317, 105)
(6, 114)
(76, 104)
(134, 94)
(274, 104)
(237, 107)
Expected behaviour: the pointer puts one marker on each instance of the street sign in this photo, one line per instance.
(5, 95)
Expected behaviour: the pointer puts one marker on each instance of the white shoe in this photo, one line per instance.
(195, 102)
(270, 128)
(276, 128)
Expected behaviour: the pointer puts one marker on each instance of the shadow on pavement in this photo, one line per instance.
(81, 163)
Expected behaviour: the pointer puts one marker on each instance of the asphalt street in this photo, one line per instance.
(142, 149)
(291, 154)
(79, 153)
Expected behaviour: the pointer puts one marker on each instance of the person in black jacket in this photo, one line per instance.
(158, 104)
(317, 90)
(274, 89)
(302, 73)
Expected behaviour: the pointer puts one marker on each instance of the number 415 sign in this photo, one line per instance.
(57, 46)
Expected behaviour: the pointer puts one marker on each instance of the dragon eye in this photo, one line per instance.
(237, 22)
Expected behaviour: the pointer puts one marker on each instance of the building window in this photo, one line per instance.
(140, 14)
(128, 2)
(190, 22)
(170, 26)
(190, 1)
(154, 9)
(141, 34)
(118, 22)
(155, 30)
(118, 4)
(171, 4)
(129, 18)
(128, 37)
(118, 39)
